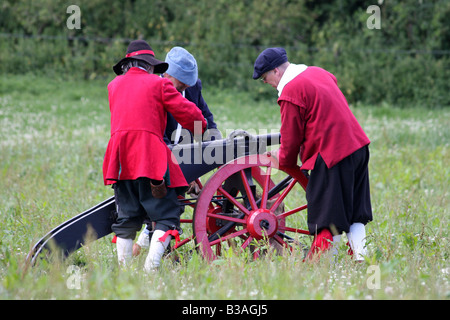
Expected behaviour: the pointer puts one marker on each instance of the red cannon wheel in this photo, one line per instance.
(233, 211)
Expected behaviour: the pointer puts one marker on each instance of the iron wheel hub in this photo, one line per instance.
(262, 223)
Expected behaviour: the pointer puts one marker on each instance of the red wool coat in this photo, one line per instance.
(139, 103)
(315, 118)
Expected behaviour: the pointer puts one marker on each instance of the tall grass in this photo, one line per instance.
(52, 139)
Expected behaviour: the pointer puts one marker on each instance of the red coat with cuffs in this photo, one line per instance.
(315, 118)
(139, 103)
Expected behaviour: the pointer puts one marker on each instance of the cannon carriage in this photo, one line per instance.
(248, 200)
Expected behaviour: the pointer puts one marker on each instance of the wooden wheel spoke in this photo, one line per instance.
(283, 195)
(282, 242)
(266, 186)
(229, 236)
(296, 230)
(246, 242)
(248, 191)
(223, 217)
(233, 201)
(290, 212)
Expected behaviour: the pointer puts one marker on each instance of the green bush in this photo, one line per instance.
(406, 62)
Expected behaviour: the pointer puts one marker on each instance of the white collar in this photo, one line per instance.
(291, 72)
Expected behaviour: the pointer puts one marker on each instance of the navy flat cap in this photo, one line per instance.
(268, 60)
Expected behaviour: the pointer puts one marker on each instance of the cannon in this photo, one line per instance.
(249, 199)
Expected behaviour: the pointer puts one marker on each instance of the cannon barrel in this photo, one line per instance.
(198, 158)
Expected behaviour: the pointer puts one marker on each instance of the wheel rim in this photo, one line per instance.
(251, 218)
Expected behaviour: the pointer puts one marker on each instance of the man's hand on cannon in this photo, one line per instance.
(194, 189)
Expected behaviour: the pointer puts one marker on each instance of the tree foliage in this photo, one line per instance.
(405, 62)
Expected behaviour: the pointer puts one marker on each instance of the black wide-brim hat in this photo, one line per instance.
(141, 50)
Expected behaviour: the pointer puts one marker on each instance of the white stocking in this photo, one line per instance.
(156, 250)
(124, 250)
(357, 239)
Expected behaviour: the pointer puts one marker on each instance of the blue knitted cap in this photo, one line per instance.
(182, 66)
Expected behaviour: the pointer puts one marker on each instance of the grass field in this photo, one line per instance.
(53, 136)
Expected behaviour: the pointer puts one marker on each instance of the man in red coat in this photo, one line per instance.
(137, 162)
(318, 125)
